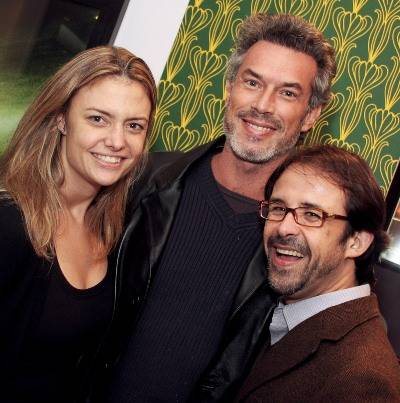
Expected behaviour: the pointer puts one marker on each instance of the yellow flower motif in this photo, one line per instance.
(358, 5)
(321, 13)
(178, 138)
(392, 84)
(380, 33)
(259, 6)
(381, 124)
(329, 139)
(205, 65)
(364, 77)
(387, 168)
(195, 20)
(296, 7)
(332, 108)
(349, 27)
(221, 22)
(169, 94)
(214, 113)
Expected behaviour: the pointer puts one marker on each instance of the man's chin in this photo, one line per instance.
(285, 290)
(282, 284)
(251, 154)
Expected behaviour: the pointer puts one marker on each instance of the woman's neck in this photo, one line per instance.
(75, 202)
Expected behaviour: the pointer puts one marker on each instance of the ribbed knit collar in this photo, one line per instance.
(203, 176)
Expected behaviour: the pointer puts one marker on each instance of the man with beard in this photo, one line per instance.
(192, 254)
(323, 235)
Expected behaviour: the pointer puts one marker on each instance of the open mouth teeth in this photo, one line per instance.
(108, 158)
(289, 252)
(260, 128)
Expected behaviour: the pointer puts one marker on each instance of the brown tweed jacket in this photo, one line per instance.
(340, 355)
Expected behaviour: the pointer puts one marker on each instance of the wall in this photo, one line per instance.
(149, 28)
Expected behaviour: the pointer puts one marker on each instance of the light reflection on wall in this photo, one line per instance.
(393, 253)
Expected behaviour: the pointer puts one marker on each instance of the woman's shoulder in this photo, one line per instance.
(16, 253)
(10, 214)
(12, 229)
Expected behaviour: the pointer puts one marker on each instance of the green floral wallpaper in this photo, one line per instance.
(364, 113)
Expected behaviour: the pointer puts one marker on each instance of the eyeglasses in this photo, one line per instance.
(307, 216)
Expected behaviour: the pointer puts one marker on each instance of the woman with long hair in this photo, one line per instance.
(64, 181)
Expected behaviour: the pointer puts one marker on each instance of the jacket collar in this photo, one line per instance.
(304, 340)
(254, 277)
(170, 173)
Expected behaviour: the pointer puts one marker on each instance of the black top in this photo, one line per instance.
(50, 324)
(208, 250)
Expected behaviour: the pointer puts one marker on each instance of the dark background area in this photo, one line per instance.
(37, 37)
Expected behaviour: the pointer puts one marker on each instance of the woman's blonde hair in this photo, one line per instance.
(31, 170)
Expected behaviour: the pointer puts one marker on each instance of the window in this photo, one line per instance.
(36, 37)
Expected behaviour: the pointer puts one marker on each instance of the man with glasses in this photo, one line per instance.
(323, 235)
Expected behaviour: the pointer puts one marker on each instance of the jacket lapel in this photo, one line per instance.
(304, 340)
(254, 277)
(284, 355)
(157, 194)
(160, 210)
(160, 206)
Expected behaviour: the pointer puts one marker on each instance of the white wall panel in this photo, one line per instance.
(149, 28)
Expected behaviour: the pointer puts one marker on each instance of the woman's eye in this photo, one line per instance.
(136, 126)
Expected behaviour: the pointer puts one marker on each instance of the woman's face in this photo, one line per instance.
(104, 132)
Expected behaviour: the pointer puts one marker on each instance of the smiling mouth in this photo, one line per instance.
(260, 124)
(289, 252)
(261, 129)
(109, 159)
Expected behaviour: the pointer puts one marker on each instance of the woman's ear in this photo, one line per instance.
(61, 124)
(358, 243)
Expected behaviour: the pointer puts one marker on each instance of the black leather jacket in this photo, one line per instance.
(156, 200)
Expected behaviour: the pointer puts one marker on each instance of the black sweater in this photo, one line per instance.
(207, 252)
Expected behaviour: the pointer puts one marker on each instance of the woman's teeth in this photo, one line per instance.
(108, 158)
